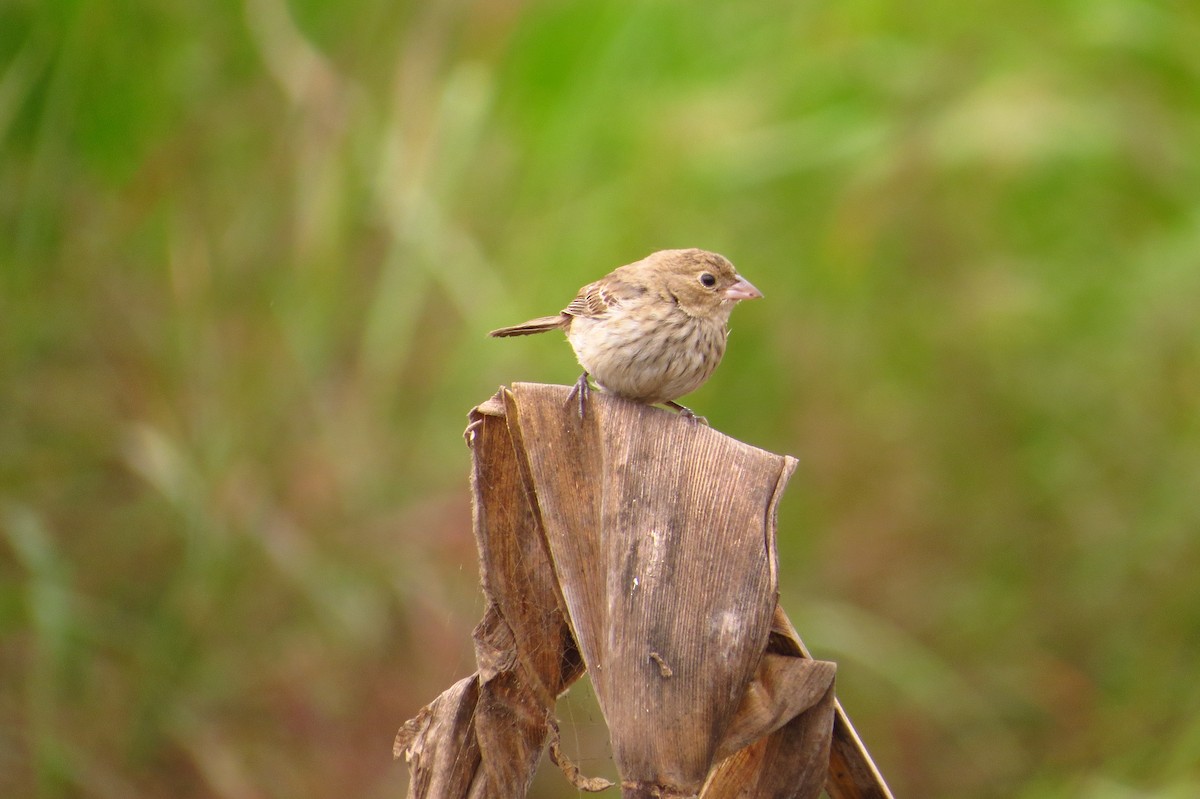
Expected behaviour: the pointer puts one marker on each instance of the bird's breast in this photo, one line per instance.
(648, 354)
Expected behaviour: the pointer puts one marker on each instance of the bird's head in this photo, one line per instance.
(703, 283)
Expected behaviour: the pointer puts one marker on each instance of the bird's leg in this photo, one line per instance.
(686, 413)
(582, 390)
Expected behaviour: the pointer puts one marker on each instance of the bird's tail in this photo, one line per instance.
(539, 325)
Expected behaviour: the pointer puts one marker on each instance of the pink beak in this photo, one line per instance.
(742, 290)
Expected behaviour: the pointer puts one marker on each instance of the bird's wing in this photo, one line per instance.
(622, 286)
(593, 299)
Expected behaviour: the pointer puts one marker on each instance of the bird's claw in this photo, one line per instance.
(688, 413)
(582, 390)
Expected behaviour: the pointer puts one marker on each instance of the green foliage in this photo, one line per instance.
(249, 252)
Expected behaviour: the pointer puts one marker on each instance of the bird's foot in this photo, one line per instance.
(687, 413)
(582, 391)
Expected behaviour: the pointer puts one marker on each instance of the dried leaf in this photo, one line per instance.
(661, 535)
(642, 544)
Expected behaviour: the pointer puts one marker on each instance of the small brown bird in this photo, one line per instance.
(650, 331)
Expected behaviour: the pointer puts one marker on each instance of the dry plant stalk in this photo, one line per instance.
(640, 546)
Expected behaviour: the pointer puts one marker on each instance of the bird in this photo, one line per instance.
(651, 331)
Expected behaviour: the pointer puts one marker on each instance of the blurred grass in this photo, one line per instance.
(248, 254)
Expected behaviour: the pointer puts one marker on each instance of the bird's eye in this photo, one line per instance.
(708, 279)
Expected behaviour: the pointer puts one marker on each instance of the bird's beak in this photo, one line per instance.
(742, 290)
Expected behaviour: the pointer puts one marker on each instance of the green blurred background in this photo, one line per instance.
(249, 253)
